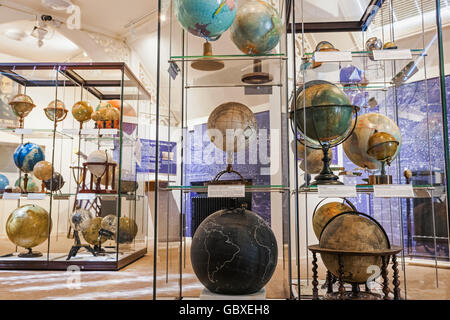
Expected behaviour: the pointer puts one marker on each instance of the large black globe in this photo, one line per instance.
(234, 252)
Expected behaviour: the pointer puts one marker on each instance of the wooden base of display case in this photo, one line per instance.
(84, 260)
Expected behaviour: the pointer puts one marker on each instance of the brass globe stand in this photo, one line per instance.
(382, 152)
(30, 254)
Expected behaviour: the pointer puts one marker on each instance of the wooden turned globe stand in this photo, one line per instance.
(356, 294)
(94, 185)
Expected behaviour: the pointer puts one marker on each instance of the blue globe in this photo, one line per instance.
(27, 155)
(206, 18)
(4, 182)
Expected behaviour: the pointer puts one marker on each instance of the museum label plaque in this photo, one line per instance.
(226, 191)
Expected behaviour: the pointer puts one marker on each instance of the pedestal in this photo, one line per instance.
(208, 295)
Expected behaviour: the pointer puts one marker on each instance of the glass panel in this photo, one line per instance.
(329, 11)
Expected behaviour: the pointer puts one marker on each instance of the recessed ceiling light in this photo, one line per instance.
(57, 4)
(15, 34)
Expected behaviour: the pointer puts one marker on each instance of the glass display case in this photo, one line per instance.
(369, 131)
(73, 168)
(224, 125)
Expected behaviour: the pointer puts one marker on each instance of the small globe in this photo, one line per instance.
(234, 251)
(356, 146)
(27, 155)
(382, 146)
(327, 110)
(325, 212)
(43, 170)
(32, 185)
(4, 182)
(56, 110)
(234, 121)
(82, 111)
(353, 232)
(90, 230)
(55, 183)
(28, 226)
(206, 18)
(21, 105)
(80, 217)
(127, 230)
(374, 43)
(257, 27)
(101, 157)
(390, 46)
(313, 163)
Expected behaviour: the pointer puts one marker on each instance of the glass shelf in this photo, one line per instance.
(263, 188)
(414, 52)
(421, 191)
(36, 133)
(228, 57)
(66, 196)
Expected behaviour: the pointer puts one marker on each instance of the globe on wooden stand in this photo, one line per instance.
(206, 63)
(21, 105)
(323, 115)
(382, 147)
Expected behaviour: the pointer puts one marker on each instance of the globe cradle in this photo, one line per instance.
(234, 251)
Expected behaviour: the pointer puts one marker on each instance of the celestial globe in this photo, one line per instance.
(27, 155)
(32, 184)
(325, 212)
(28, 226)
(234, 121)
(55, 183)
(356, 146)
(80, 217)
(257, 27)
(101, 157)
(207, 19)
(374, 43)
(353, 231)
(4, 182)
(43, 170)
(82, 111)
(56, 110)
(234, 251)
(21, 105)
(90, 230)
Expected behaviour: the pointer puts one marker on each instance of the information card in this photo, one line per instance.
(23, 131)
(392, 54)
(11, 196)
(86, 196)
(226, 191)
(36, 196)
(393, 191)
(332, 56)
(336, 191)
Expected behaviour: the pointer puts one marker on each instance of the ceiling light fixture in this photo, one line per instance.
(42, 31)
(60, 5)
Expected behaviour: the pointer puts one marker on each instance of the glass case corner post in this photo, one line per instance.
(294, 107)
(158, 93)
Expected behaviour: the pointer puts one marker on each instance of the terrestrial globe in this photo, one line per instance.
(56, 111)
(90, 229)
(325, 212)
(231, 126)
(127, 230)
(80, 217)
(82, 111)
(32, 185)
(27, 155)
(357, 145)
(234, 252)
(28, 226)
(313, 163)
(353, 231)
(257, 27)
(382, 146)
(21, 105)
(323, 115)
(55, 183)
(43, 170)
(4, 182)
